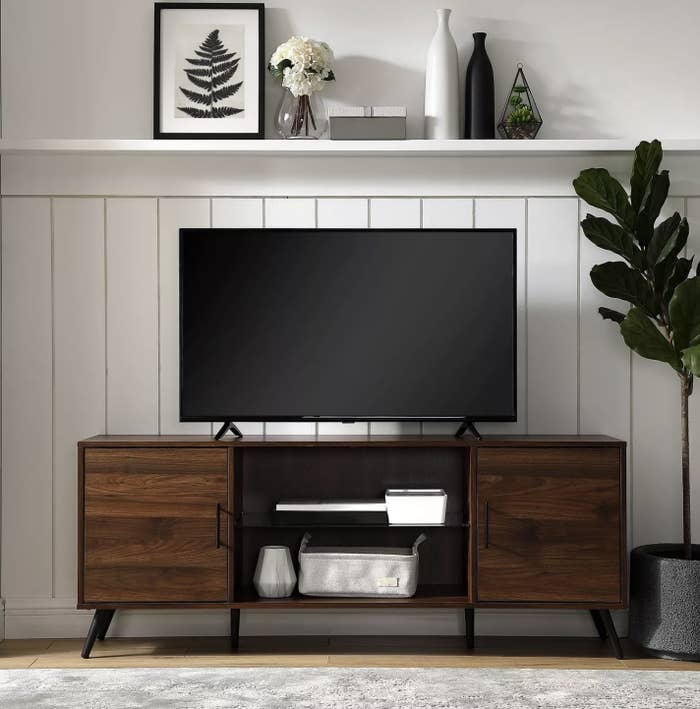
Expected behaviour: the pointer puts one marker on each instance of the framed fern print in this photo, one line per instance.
(209, 70)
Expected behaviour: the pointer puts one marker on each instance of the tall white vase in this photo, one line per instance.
(274, 574)
(442, 83)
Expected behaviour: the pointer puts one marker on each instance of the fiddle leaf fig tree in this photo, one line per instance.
(651, 274)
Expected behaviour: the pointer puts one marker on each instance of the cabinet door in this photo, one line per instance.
(549, 525)
(155, 526)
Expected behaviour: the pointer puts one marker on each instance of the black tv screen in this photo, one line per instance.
(347, 325)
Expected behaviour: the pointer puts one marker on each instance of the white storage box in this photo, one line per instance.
(372, 572)
(416, 506)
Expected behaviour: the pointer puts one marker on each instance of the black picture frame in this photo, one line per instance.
(158, 133)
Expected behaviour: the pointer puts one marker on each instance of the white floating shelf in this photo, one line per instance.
(344, 148)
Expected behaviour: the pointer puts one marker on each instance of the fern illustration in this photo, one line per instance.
(213, 69)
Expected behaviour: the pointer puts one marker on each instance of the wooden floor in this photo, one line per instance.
(318, 651)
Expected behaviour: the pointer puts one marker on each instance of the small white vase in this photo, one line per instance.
(274, 575)
(442, 83)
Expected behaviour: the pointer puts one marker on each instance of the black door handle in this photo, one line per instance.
(486, 522)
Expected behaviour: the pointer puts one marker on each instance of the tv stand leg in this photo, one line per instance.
(235, 627)
(228, 426)
(469, 627)
(613, 639)
(467, 426)
(599, 626)
(98, 629)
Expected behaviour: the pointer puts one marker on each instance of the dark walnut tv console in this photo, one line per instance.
(177, 521)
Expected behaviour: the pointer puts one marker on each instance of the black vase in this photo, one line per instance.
(479, 114)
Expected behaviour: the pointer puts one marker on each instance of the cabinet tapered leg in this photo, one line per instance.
(469, 627)
(98, 628)
(235, 627)
(613, 639)
(105, 624)
(599, 625)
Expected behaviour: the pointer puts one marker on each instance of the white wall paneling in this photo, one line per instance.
(27, 394)
(78, 364)
(342, 213)
(552, 320)
(132, 315)
(239, 213)
(174, 214)
(497, 214)
(108, 296)
(394, 213)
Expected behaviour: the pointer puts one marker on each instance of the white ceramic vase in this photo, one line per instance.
(274, 574)
(442, 83)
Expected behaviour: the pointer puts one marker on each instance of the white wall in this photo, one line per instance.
(82, 68)
(90, 340)
(89, 319)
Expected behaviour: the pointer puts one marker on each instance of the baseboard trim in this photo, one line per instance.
(57, 618)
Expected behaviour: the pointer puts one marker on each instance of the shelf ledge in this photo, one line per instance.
(329, 148)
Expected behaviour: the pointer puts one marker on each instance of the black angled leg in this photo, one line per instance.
(469, 627)
(105, 625)
(99, 625)
(235, 627)
(613, 639)
(599, 625)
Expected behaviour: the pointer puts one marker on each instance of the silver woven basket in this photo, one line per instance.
(371, 572)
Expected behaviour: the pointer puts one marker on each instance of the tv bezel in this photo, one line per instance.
(507, 418)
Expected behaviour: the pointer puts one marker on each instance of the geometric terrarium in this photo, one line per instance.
(521, 118)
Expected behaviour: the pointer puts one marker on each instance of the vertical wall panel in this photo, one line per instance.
(445, 213)
(132, 315)
(293, 214)
(239, 213)
(394, 213)
(343, 213)
(552, 315)
(26, 398)
(448, 213)
(656, 458)
(510, 213)
(79, 364)
(693, 214)
(174, 214)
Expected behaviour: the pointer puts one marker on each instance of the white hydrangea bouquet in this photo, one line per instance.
(303, 66)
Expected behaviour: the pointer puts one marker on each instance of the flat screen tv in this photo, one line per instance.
(347, 325)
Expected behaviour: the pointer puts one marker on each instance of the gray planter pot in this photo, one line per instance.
(665, 601)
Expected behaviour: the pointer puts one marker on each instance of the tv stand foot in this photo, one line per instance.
(98, 629)
(467, 426)
(469, 627)
(235, 627)
(228, 426)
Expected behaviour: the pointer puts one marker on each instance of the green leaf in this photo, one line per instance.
(642, 336)
(646, 162)
(684, 312)
(663, 239)
(617, 280)
(646, 220)
(599, 188)
(609, 236)
(691, 359)
(678, 273)
(610, 314)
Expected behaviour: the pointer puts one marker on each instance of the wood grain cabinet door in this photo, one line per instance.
(155, 525)
(549, 525)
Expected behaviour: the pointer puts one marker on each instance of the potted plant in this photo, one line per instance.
(654, 276)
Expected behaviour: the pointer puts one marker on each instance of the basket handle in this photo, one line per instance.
(304, 543)
(421, 538)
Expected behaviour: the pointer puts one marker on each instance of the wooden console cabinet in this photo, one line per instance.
(177, 521)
